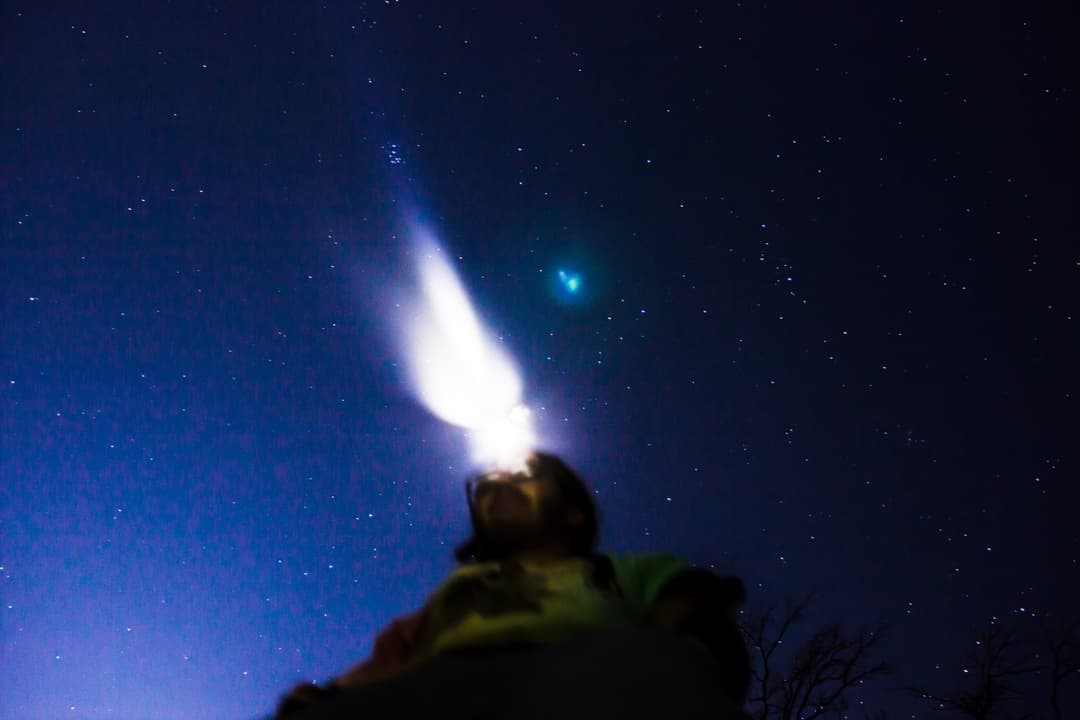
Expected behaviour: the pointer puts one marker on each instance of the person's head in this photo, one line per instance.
(543, 508)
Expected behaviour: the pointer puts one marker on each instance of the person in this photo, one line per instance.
(534, 623)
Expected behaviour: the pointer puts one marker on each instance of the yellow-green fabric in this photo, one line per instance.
(519, 603)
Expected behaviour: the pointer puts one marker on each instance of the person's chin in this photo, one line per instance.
(509, 525)
(510, 530)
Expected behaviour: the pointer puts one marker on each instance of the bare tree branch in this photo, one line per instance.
(1063, 646)
(819, 672)
(997, 662)
(764, 641)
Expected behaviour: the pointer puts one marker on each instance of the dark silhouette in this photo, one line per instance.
(535, 622)
(1063, 658)
(817, 675)
(996, 666)
(1014, 662)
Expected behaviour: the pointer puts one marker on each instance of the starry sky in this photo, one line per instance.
(820, 331)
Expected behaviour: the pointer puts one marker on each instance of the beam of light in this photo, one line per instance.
(459, 371)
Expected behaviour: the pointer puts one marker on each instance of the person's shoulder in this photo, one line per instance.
(471, 569)
(642, 575)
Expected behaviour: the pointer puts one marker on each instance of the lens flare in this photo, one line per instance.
(570, 281)
(459, 371)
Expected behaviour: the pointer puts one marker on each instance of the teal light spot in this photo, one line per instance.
(571, 282)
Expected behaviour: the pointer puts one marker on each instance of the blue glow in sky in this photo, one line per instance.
(570, 282)
(569, 287)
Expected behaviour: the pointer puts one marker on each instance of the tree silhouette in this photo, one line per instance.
(1063, 662)
(998, 663)
(814, 679)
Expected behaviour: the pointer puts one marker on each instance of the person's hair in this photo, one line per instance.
(573, 495)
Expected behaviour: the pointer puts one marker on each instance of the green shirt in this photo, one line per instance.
(489, 604)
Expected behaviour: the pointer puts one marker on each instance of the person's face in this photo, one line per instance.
(517, 501)
(524, 512)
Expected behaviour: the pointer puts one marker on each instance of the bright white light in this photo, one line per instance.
(458, 370)
(506, 441)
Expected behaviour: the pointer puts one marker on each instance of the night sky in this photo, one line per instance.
(822, 335)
